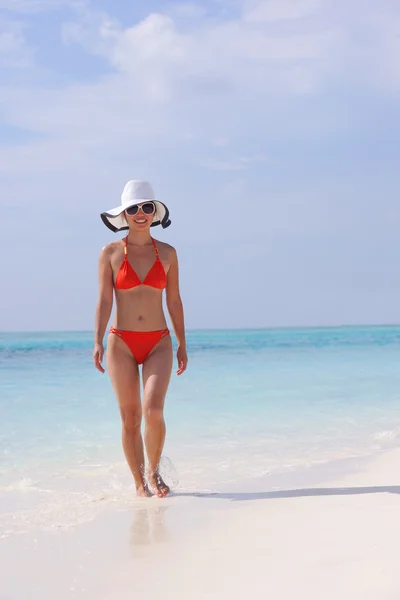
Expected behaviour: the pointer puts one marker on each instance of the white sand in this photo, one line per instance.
(336, 540)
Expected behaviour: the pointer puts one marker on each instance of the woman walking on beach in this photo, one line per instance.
(137, 269)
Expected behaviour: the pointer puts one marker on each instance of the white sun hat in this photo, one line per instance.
(135, 191)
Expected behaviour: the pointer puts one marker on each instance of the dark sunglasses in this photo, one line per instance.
(148, 208)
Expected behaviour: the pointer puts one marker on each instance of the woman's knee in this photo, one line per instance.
(153, 415)
(131, 421)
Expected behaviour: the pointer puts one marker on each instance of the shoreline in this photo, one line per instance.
(57, 505)
(334, 529)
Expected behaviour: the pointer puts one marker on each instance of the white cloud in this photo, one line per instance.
(167, 62)
(14, 51)
(171, 87)
(281, 10)
(188, 10)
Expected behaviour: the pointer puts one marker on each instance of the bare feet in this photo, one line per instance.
(157, 485)
(142, 491)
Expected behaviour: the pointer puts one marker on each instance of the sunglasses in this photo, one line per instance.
(148, 208)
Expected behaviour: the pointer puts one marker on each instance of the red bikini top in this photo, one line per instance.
(127, 278)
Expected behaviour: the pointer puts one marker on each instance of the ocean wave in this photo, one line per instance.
(216, 340)
(387, 435)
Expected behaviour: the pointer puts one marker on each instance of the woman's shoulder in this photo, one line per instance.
(110, 249)
(166, 250)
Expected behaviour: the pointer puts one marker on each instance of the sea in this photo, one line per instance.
(251, 404)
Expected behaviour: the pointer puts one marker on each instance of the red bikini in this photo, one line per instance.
(127, 278)
(140, 343)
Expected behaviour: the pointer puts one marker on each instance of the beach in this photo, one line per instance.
(335, 538)
(282, 454)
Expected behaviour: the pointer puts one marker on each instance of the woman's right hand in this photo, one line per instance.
(98, 354)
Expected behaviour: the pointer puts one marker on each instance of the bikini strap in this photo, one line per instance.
(126, 248)
(155, 248)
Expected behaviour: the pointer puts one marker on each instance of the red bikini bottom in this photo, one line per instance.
(140, 343)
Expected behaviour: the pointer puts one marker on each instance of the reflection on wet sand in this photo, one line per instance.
(148, 526)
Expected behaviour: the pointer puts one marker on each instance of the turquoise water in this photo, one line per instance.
(251, 403)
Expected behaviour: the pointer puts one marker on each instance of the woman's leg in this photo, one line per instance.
(156, 375)
(124, 375)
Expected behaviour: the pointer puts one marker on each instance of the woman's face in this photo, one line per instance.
(143, 217)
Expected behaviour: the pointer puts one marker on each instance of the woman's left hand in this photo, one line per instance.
(181, 355)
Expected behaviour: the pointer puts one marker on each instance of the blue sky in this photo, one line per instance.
(269, 127)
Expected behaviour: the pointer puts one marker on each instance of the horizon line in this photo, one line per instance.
(211, 329)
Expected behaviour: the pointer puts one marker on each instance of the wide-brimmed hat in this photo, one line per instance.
(135, 191)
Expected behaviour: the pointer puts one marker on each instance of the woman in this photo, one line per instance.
(138, 268)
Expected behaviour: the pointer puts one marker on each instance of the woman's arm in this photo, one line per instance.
(104, 305)
(175, 309)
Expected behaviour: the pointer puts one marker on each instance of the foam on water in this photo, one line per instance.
(251, 403)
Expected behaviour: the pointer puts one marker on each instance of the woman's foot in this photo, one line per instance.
(142, 491)
(157, 485)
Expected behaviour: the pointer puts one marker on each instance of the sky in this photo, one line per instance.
(270, 128)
